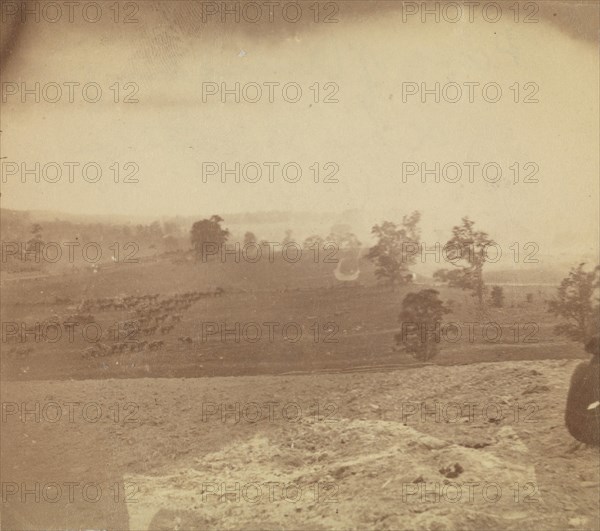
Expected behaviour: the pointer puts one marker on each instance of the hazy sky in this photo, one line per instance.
(369, 133)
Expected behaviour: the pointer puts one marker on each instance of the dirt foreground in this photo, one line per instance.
(328, 451)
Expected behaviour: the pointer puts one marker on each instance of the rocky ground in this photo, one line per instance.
(456, 447)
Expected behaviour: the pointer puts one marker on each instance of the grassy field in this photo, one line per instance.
(272, 318)
(158, 430)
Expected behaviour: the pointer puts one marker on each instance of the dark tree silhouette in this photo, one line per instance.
(249, 237)
(207, 235)
(420, 318)
(577, 301)
(497, 297)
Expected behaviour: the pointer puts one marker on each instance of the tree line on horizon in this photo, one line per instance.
(577, 301)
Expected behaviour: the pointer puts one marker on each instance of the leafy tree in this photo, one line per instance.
(420, 318)
(497, 296)
(150, 235)
(36, 242)
(467, 250)
(249, 237)
(287, 238)
(577, 301)
(208, 233)
(313, 242)
(395, 249)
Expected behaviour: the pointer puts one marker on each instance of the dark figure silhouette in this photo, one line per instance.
(582, 415)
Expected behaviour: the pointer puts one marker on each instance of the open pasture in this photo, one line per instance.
(165, 318)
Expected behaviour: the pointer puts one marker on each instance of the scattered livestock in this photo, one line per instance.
(150, 314)
(100, 350)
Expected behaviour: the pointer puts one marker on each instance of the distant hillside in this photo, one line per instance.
(538, 276)
(272, 226)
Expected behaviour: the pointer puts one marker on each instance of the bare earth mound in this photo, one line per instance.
(198, 454)
(350, 474)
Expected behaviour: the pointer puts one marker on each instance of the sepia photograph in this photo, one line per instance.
(300, 265)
